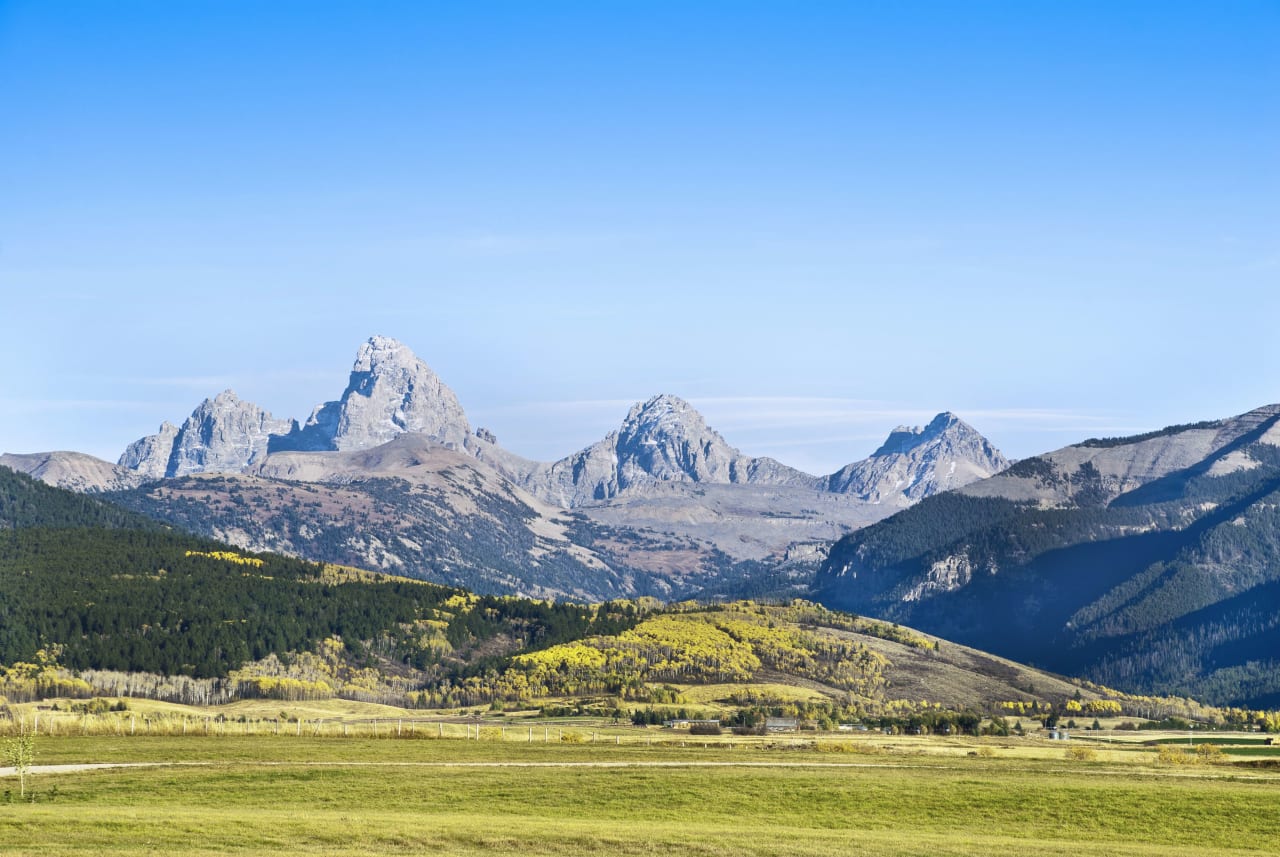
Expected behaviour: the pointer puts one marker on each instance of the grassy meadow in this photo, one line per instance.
(596, 788)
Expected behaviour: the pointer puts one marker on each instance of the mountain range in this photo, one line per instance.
(1150, 562)
(127, 606)
(392, 475)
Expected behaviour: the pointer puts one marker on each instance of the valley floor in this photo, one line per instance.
(869, 794)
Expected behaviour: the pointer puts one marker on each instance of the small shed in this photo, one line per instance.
(781, 724)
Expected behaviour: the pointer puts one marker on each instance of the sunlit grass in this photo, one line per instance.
(260, 795)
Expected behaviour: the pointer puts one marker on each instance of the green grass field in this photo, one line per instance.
(330, 796)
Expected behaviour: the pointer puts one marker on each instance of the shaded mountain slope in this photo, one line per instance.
(1149, 562)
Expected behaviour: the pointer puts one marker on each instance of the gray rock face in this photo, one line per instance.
(224, 434)
(914, 463)
(663, 440)
(391, 392)
(662, 444)
(149, 456)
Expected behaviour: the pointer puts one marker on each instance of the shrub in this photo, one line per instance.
(1081, 753)
(836, 747)
(1172, 755)
(705, 729)
(1209, 754)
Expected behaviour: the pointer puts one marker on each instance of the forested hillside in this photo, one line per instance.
(176, 605)
(86, 586)
(89, 610)
(28, 502)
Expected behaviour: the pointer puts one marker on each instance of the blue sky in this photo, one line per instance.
(813, 220)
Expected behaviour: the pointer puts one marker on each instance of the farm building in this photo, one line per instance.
(689, 723)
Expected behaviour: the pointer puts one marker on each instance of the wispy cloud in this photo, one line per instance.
(764, 412)
(217, 382)
(591, 409)
(185, 382)
(40, 406)
(768, 413)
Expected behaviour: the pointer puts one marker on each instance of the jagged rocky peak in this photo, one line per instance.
(662, 440)
(903, 438)
(224, 434)
(667, 439)
(149, 456)
(914, 463)
(390, 392)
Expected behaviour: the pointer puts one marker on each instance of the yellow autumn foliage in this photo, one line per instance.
(229, 556)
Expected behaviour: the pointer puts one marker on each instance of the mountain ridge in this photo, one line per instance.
(390, 391)
(1140, 562)
(663, 505)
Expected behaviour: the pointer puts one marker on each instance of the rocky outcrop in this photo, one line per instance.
(663, 440)
(914, 463)
(149, 456)
(663, 469)
(224, 434)
(390, 392)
